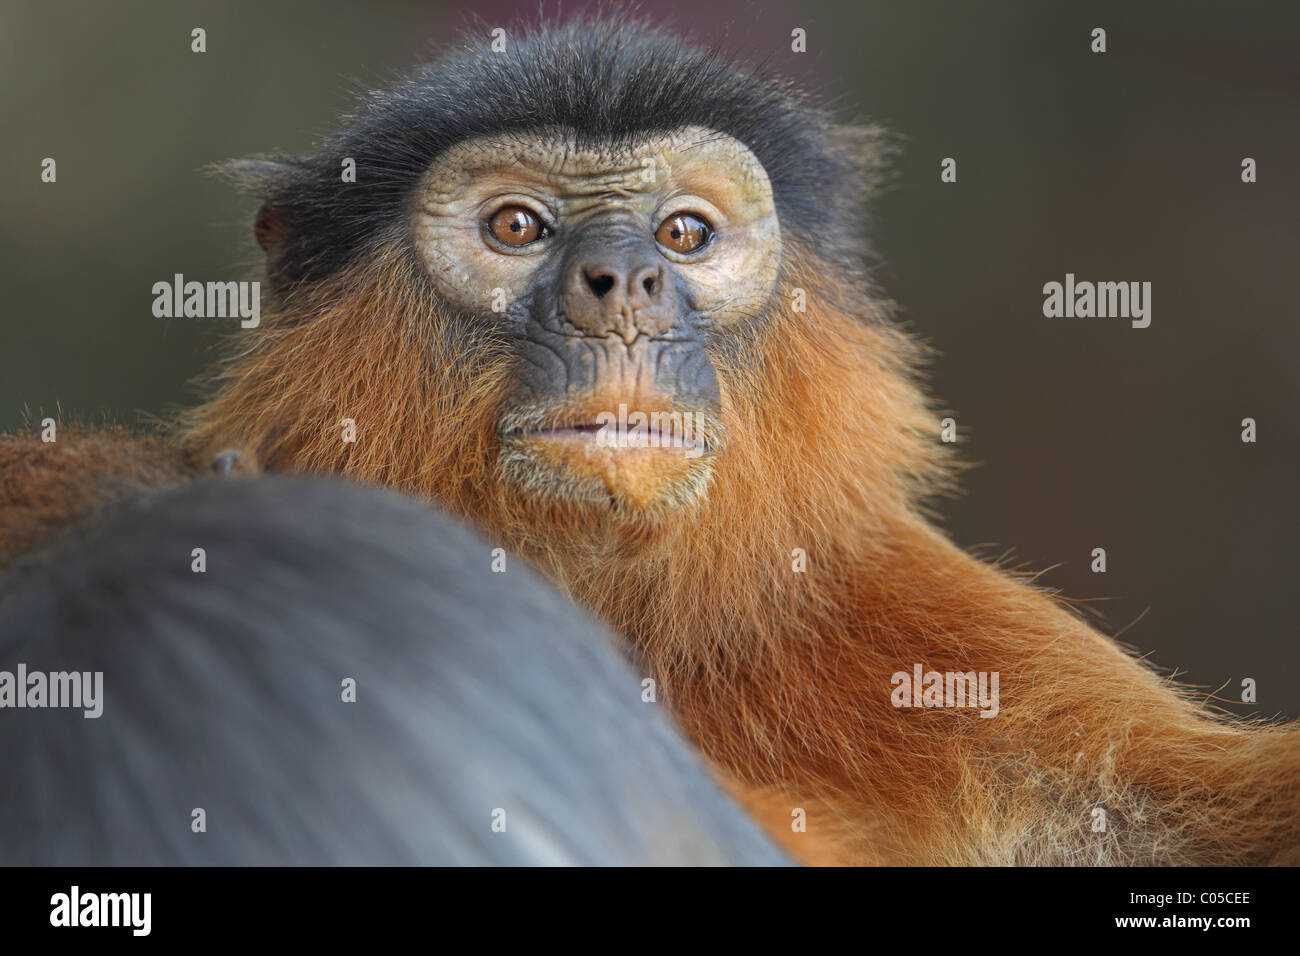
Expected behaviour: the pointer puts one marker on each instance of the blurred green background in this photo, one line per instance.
(1122, 166)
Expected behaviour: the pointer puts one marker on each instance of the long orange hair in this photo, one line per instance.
(782, 676)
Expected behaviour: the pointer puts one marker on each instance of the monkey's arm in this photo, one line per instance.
(45, 487)
(1095, 729)
(1089, 757)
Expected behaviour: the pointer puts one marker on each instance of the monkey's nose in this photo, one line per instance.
(618, 290)
(639, 286)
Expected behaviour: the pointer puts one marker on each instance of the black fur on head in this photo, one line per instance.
(600, 80)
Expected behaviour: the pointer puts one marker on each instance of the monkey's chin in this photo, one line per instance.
(574, 467)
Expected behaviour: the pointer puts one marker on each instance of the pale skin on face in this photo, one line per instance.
(692, 170)
(725, 282)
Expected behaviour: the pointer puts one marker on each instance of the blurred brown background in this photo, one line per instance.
(1122, 166)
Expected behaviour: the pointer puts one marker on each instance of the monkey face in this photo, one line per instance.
(612, 271)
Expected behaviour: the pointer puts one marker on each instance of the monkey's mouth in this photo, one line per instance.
(574, 430)
(642, 462)
(611, 435)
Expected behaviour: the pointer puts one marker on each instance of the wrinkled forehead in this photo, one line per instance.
(553, 163)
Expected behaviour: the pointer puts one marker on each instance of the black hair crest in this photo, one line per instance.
(595, 79)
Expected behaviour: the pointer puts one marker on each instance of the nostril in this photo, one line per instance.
(600, 283)
(650, 279)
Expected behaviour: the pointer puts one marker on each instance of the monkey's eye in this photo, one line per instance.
(516, 226)
(684, 232)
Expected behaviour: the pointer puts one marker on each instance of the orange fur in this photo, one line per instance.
(783, 678)
(46, 487)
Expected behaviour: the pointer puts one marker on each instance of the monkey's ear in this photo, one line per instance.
(266, 179)
(271, 227)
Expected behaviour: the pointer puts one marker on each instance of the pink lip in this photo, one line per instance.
(585, 428)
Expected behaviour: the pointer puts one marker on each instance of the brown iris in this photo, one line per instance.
(516, 225)
(684, 232)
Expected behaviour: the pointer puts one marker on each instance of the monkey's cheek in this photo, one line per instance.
(638, 477)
